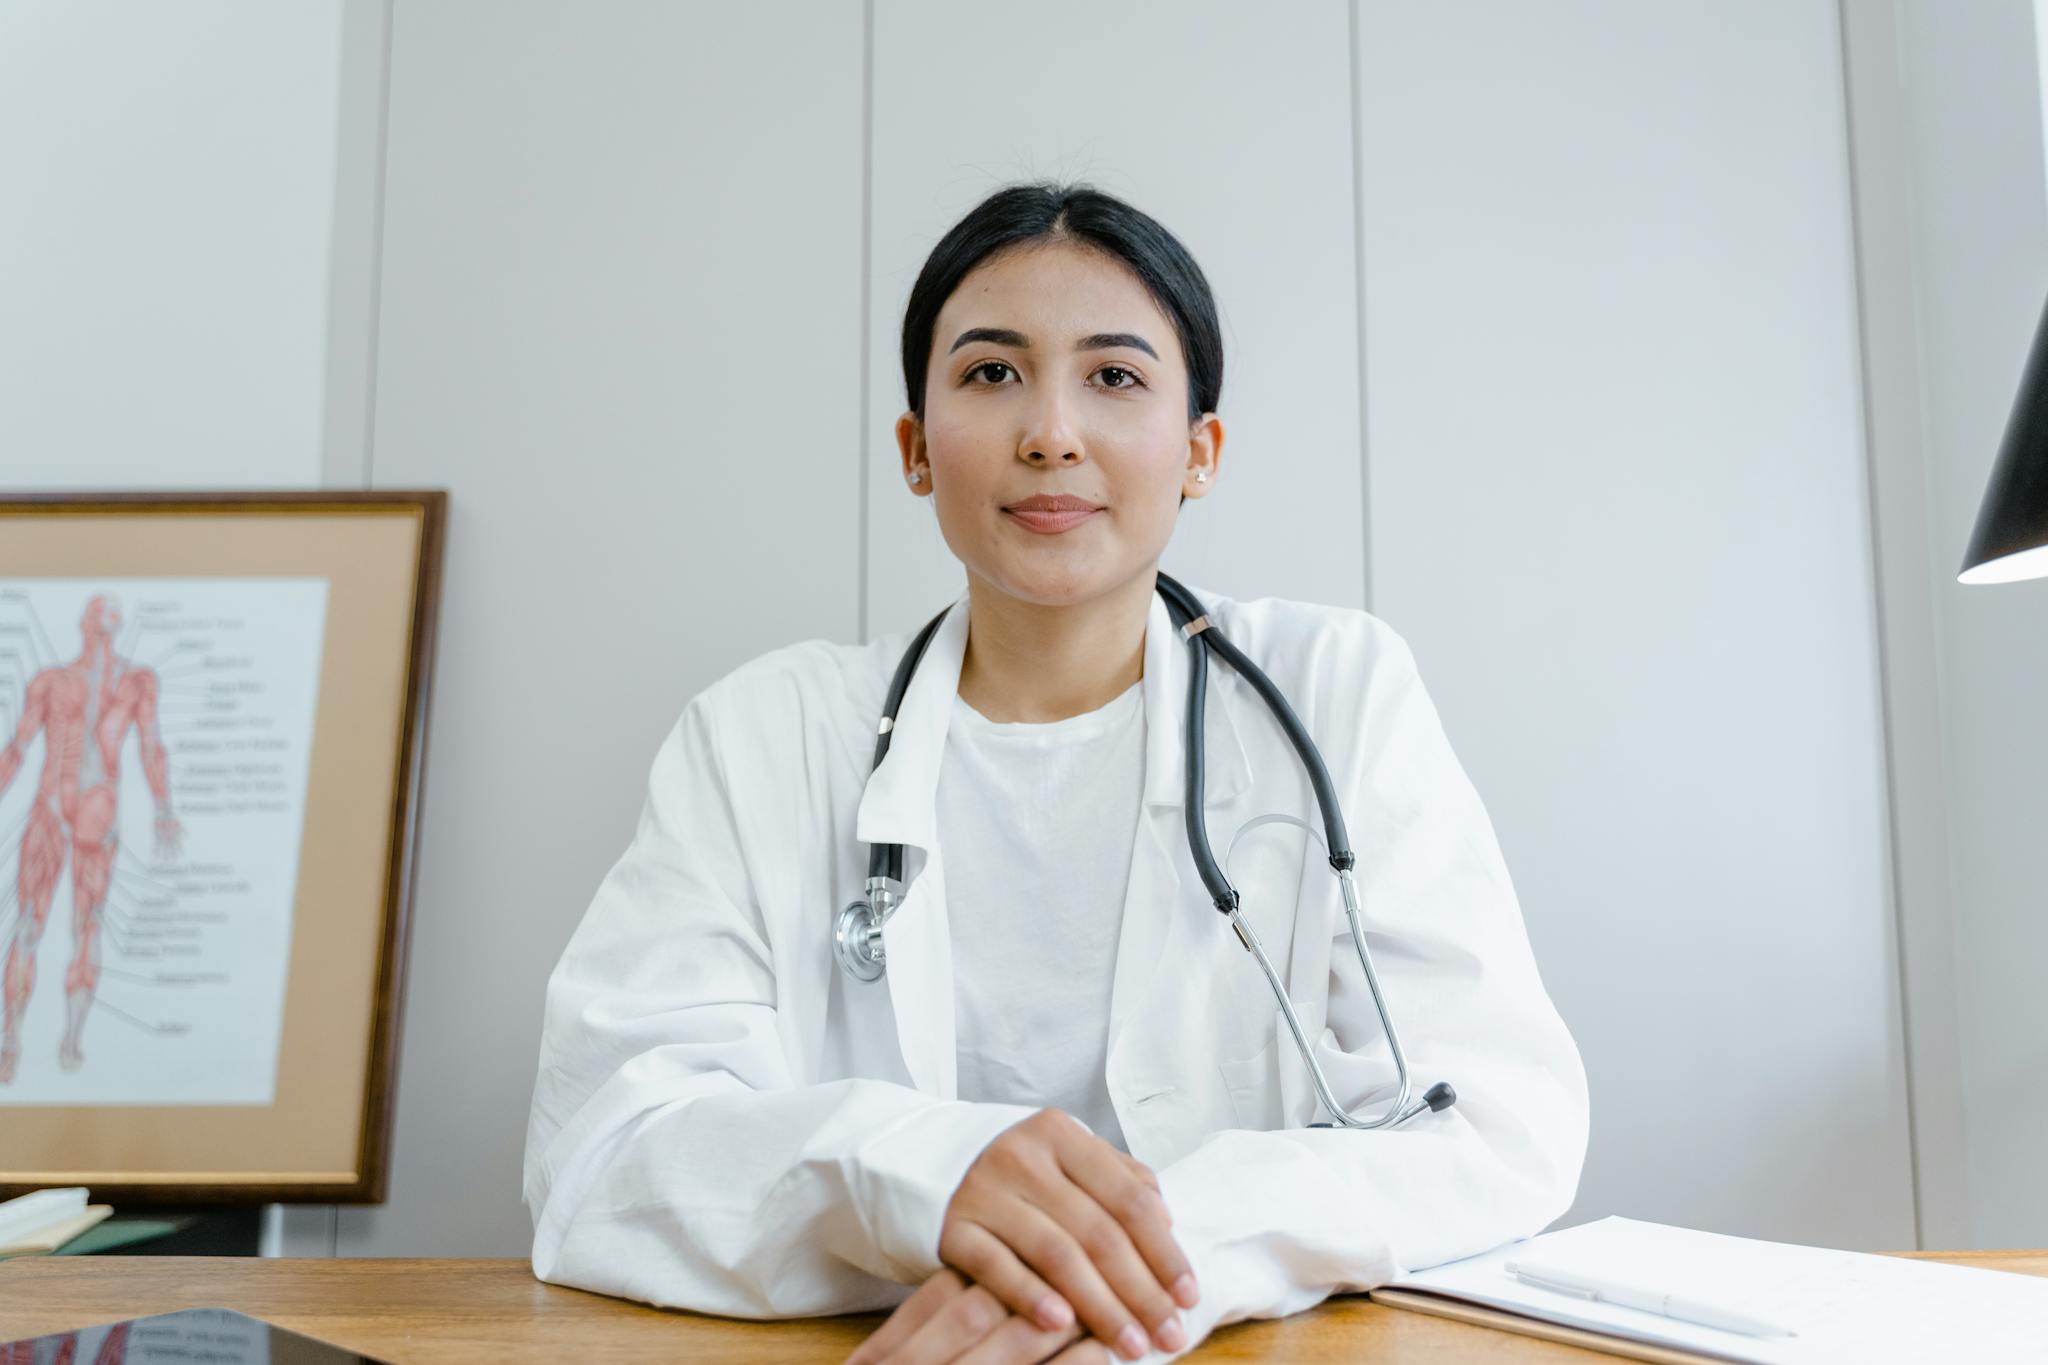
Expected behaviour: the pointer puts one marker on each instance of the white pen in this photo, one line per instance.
(1649, 1300)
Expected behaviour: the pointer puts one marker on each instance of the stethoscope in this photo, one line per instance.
(857, 933)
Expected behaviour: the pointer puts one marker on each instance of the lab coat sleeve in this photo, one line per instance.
(1276, 1221)
(672, 1156)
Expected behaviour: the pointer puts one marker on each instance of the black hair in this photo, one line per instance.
(1047, 211)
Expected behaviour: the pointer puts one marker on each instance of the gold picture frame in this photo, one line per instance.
(280, 652)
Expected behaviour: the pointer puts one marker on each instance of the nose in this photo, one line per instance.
(1049, 432)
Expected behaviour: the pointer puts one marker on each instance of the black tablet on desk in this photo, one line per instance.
(192, 1336)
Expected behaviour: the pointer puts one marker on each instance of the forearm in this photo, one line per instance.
(1277, 1221)
(697, 1191)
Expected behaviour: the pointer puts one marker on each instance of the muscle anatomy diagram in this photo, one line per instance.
(177, 719)
(84, 710)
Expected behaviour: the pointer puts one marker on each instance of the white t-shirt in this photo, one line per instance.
(1038, 822)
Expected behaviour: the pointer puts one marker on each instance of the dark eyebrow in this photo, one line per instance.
(1005, 336)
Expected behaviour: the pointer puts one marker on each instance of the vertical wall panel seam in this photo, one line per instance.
(1917, 863)
(375, 284)
(1358, 271)
(318, 1225)
(1887, 700)
(867, 274)
(376, 281)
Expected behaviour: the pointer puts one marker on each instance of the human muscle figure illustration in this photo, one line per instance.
(83, 709)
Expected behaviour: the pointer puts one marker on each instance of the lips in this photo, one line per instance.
(1050, 513)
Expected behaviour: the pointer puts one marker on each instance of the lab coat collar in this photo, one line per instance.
(899, 805)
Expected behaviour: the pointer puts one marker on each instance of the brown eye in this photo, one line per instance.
(986, 364)
(1131, 375)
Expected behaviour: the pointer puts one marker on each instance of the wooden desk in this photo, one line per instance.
(410, 1311)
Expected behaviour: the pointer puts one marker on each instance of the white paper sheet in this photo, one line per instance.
(1844, 1305)
(192, 946)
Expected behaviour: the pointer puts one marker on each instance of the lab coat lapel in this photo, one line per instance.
(1161, 905)
(899, 807)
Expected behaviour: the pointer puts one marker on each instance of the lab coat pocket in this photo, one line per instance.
(1254, 1086)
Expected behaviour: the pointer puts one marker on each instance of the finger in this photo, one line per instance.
(1141, 1211)
(1068, 1265)
(966, 1318)
(1145, 1173)
(986, 1260)
(908, 1316)
(1138, 1168)
(1084, 1254)
(1017, 1342)
(1087, 1351)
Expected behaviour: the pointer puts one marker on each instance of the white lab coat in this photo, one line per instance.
(723, 1121)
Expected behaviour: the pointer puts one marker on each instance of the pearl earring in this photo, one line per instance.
(1201, 476)
(917, 476)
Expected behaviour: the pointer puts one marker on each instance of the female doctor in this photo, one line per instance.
(1067, 1118)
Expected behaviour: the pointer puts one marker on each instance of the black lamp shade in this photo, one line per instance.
(2011, 539)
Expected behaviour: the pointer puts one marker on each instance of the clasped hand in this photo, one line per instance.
(1056, 1246)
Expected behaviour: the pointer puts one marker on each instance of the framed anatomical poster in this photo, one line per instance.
(212, 735)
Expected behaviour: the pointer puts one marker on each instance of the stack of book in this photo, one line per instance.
(41, 1222)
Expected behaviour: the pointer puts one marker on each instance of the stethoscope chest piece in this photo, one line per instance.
(857, 941)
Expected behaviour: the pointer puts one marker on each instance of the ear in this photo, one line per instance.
(910, 443)
(1205, 453)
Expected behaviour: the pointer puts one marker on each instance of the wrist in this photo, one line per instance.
(908, 1171)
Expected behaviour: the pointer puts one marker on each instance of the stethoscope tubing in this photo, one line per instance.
(857, 933)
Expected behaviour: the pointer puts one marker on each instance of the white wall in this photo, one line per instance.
(1546, 320)
(635, 362)
(1980, 224)
(530, 141)
(167, 179)
(1618, 505)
